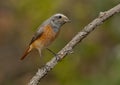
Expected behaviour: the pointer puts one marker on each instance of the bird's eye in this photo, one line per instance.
(59, 17)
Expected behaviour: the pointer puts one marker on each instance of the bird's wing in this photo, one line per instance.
(40, 31)
(37, 34)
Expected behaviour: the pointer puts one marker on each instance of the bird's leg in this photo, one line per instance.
(56, 56)
(39, 52)
(51, 51)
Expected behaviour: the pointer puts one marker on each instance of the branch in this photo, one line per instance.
(103, 16)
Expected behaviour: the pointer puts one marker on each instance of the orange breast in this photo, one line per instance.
(46, 38)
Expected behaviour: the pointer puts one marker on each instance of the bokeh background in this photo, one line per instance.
(95, 61)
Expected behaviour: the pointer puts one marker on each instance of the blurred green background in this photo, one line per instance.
(96, 61)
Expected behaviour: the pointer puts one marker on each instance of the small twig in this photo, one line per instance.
(103, 16)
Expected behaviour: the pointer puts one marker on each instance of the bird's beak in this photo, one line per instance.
(67, 20)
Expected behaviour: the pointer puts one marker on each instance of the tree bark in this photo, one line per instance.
(68, 49)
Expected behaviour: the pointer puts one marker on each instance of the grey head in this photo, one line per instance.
(57, 20)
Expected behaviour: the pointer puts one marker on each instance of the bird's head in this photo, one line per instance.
(59, 19)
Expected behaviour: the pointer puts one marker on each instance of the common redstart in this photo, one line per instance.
(46, 33)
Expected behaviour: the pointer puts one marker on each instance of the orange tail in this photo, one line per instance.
(28, 50)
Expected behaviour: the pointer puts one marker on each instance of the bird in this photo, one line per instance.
(47, 32)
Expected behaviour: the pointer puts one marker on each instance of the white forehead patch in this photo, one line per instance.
(60, 15)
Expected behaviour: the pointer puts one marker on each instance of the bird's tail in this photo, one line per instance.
(28, 50)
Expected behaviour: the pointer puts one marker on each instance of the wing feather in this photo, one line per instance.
(37, 35)
(40, 31)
